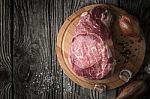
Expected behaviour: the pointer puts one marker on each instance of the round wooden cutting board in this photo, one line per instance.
(131, 61)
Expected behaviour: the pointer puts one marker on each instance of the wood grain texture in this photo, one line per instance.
(34, 57)
(36, 24)
(31, 30)
(5, 50)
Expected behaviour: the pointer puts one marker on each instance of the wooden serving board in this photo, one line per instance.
(131, 61)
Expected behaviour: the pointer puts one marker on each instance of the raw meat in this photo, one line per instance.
(92, 52)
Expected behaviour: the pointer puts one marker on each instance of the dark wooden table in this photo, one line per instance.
(28, 64)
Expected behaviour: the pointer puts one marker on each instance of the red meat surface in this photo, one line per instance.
(92, 52)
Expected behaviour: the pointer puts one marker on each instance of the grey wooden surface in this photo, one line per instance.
(28, 64)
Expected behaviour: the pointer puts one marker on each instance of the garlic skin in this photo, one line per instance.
(129, 25)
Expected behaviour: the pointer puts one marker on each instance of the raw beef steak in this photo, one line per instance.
(92, 52)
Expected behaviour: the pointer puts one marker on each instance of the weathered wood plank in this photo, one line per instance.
(35, 65)
(37, 74)
(5, 50)
(144, 15)
(56, 14)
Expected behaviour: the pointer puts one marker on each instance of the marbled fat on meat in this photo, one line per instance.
(92, 52)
